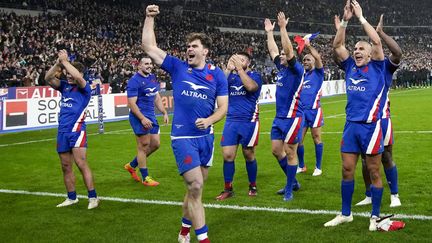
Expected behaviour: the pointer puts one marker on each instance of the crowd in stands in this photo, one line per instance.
(105, 35)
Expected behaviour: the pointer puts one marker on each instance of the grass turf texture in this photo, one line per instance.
(35, 167)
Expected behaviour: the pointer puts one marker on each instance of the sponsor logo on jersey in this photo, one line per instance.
(152, 93)
(357, 81)
(305, 85)
(193, 93)
(64, 102)
(237, 90)
(195, 86)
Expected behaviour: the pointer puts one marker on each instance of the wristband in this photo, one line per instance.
(344, 23)
(362, 20)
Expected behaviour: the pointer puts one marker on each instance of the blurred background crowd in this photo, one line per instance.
(106, 35)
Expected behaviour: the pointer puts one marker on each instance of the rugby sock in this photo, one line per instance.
(228, 170)
(134, 163)
(376, 200)
(92, 193)
(283, 164)
(251, 167)
(291, 173)
(368, 192)
(392, 179)
(144, 173)
(300, 155)
(318, 154)
(202, 234)
(72, 195)
(186, 226)
(347, 189)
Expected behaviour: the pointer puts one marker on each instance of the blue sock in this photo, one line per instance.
(202, 233)
(291, 173)
(347, 189)
(228, 170)
(144, 172)
(368, 192)
(376, 200)
(186, 221)
(300, 155)
(283, 164)
(318, 154)
(72, 195)
(134, 163)
(392, 179)
(92, 193)
(251, 167)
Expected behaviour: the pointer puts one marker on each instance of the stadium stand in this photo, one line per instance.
(107, 35)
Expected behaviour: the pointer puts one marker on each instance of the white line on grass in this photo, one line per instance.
(54, 138)
(218, 206)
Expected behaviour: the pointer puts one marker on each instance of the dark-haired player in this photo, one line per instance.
(71, 136)
(242, 121)
(197, 87)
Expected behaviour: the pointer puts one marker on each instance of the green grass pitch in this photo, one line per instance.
(29, 163)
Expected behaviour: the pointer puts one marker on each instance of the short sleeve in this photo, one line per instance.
(222, 84)
(347, 64)
(170, 64)
(257, 78)
(132, 88)
(390, 67)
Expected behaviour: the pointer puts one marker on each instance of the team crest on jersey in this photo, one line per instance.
(209, 77)
(189, 70)
(365, 69)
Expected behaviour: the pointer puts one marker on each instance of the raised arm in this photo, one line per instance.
(229, 67)
(249, 84)
(149, 38)
(377, 50)
(76, 75)
(341, 53)
(50, 76)
(271, 43)
(286, 43)
(315, 54)
(159, 105)
(396, 51)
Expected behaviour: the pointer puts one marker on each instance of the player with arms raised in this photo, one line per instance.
(72, 136)
(286, 128)
(391, 64)
(362, 132)
(312, 111)
(242, 121)
(197, 87)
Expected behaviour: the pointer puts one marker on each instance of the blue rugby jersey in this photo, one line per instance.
(145, 89)
(195, 92)
(288, 87)
(389, 70)
(364, 87)
(243, 105)
(311, 90)
(73, 106)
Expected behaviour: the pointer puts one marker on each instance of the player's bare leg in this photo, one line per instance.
(80, 157)
(143, 145)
